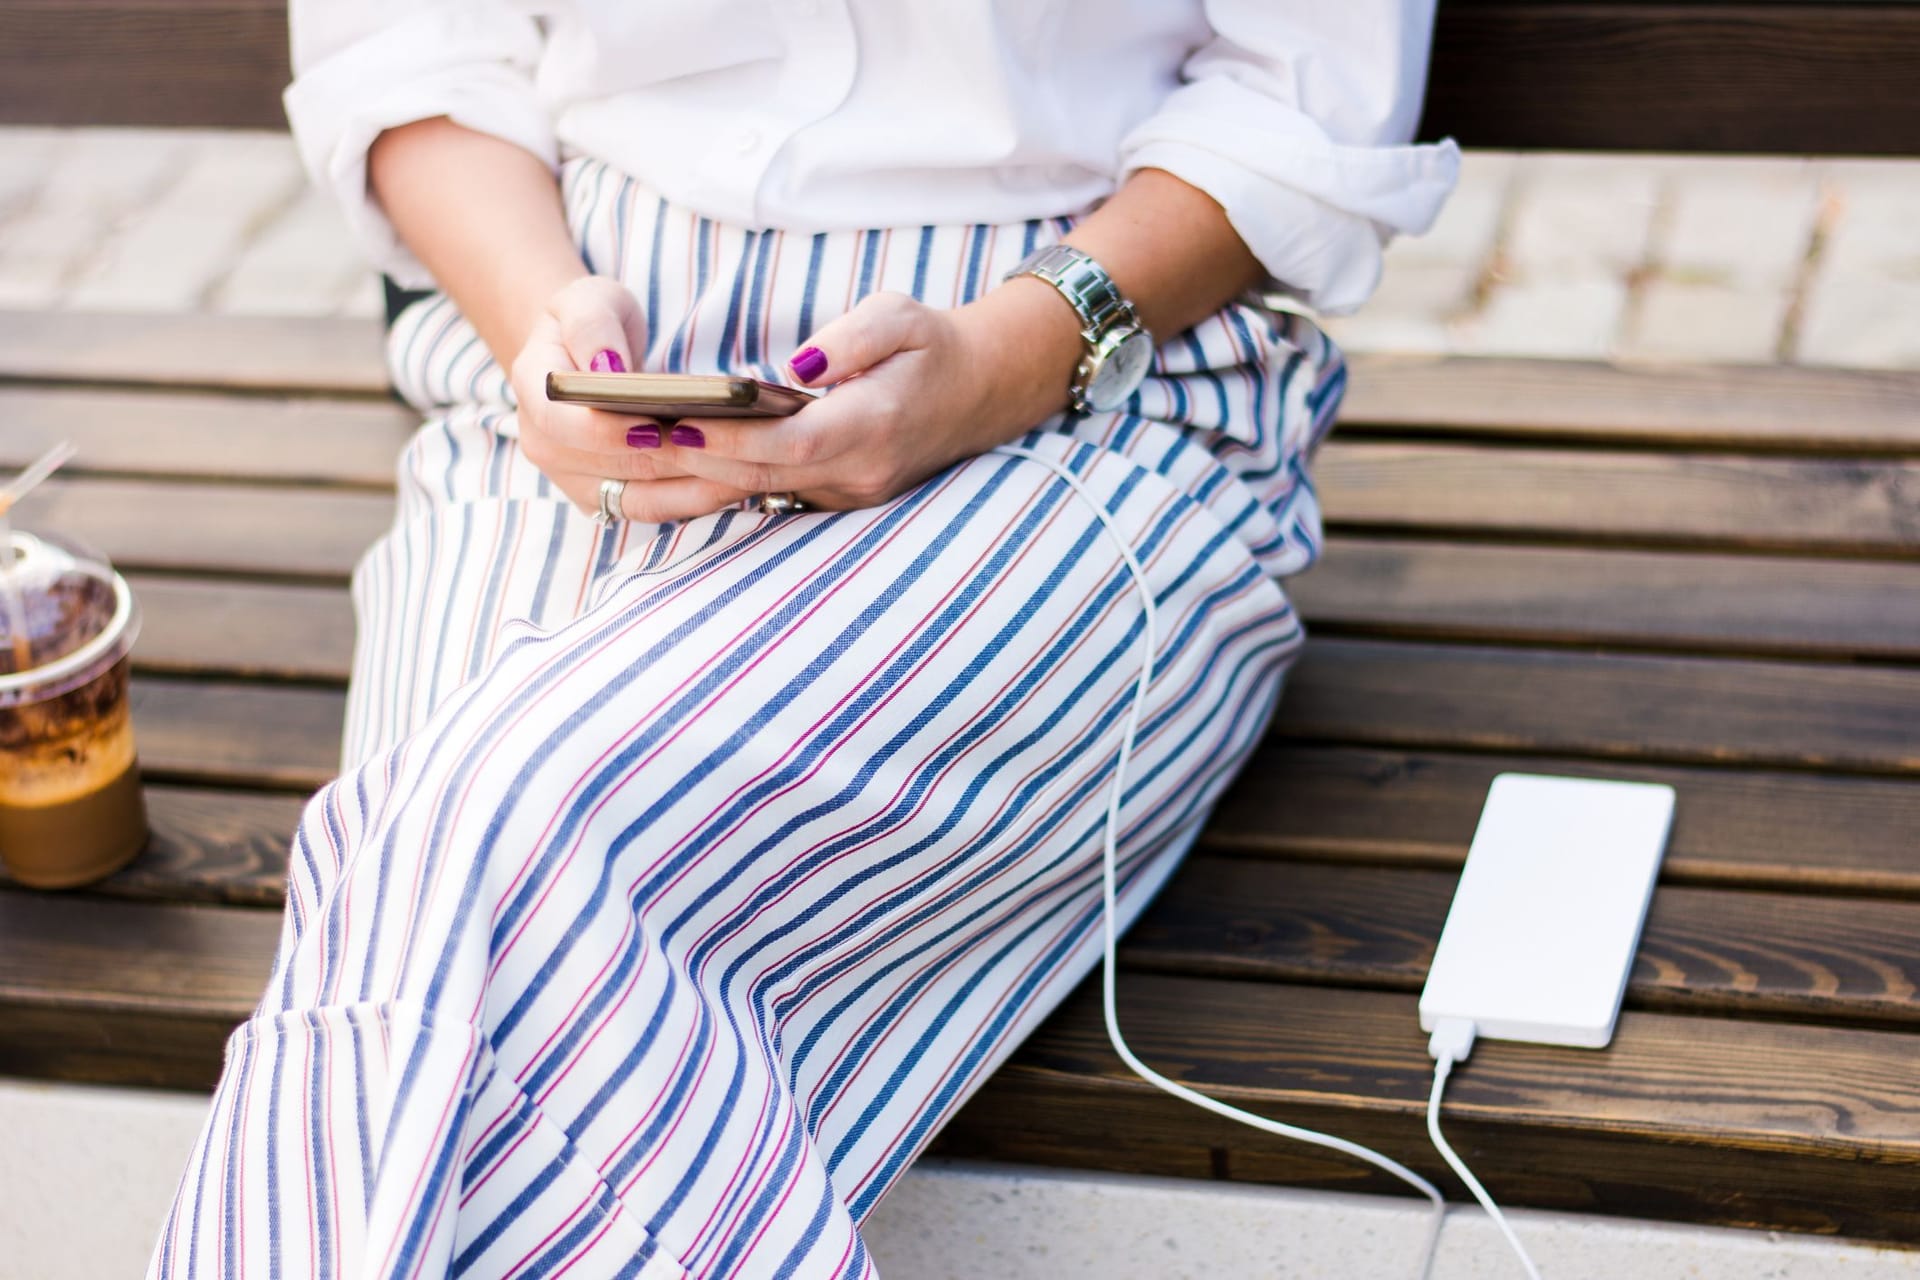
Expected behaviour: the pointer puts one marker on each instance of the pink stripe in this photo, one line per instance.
(606, 1016)
(786, 1126)
(547, 1239)
(986, 820)
(786, 1113)
(577, 664)
(440, 1137)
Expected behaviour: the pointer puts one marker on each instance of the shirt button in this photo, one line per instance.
(746, 141)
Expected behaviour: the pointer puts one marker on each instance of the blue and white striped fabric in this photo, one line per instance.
(684, 880)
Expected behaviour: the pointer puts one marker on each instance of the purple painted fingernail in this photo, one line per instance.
(689, 437)
(808, 363)
(608, 361)
(644, 438)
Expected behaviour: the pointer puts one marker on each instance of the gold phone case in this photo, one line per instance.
(676, 395)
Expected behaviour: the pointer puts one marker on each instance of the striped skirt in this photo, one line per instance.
(683, 880)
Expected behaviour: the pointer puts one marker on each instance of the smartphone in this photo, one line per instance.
(677, 395)
(1545, 923)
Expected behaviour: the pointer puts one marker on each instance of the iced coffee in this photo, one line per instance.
(70, 802)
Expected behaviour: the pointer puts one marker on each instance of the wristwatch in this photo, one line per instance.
(1118, 349)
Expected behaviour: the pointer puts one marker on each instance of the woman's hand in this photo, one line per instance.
(596, 323)
(915, 389)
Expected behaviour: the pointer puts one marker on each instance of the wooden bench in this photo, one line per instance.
(1722, 75)
(1706, 577)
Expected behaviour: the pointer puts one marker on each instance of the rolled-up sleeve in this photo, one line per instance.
(1296, 118)
(362, 66)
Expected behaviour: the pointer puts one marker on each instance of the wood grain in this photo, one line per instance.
(73, 951)
(1771, 504)
(209, 846)
(251, 735)
(124, 993)
(1853, 506)
(1401, 588)
(1809, 77)
(1660, 709)
(1795, 833)
(1805, 832)
(207, 351)
(209, 62)
(1841, 960)
(1823, 77)
(215, 528)
(219, 627)
(307, 440)
(1815, 1126)
(1782, 408)
(1586, 596)
(1779, 408)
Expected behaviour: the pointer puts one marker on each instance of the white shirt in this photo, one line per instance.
(818, 115)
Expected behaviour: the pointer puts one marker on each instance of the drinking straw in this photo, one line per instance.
(23, 484)
(20, 487)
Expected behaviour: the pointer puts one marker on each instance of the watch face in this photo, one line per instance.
(1119, 369)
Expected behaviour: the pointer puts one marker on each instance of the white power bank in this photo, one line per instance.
(1544, 924)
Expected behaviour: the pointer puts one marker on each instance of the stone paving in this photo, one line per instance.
(1628, 257)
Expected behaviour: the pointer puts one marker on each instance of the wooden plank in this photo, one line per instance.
(1801, 833)
(1659, 709)
(1446, 590)
(1748, 407)
(1765, 504)
(1795, 504)
(147, 62)
(125, 993)
(1816, 1126)
(1791, 605)
(1774, 408)
(1825, 77)
(1841, 960)
(1754, 407)
(1821, 77)
(252, 735)
(1703, 1119)
(123, 956)
(211, 352)
(199, 626)
(215, 528)
(209, 846)
(177, 435)
(1805, 832)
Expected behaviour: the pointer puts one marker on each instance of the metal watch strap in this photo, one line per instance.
(1087, 287)
(1083, 282)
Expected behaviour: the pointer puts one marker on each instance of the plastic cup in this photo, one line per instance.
(71, 808)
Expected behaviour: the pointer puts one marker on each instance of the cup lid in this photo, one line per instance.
(65, 616)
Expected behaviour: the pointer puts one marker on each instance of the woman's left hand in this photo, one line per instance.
(915, 389)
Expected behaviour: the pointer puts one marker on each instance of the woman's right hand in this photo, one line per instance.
(596, 323)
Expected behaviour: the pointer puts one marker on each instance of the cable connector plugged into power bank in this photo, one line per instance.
(1451, 1041)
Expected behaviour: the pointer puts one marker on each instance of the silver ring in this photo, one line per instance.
(610, 492)
(781, 504)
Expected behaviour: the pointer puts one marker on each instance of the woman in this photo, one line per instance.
(723, 801)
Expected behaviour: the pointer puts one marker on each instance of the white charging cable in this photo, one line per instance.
(1109, 874)
(1451, 1042)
